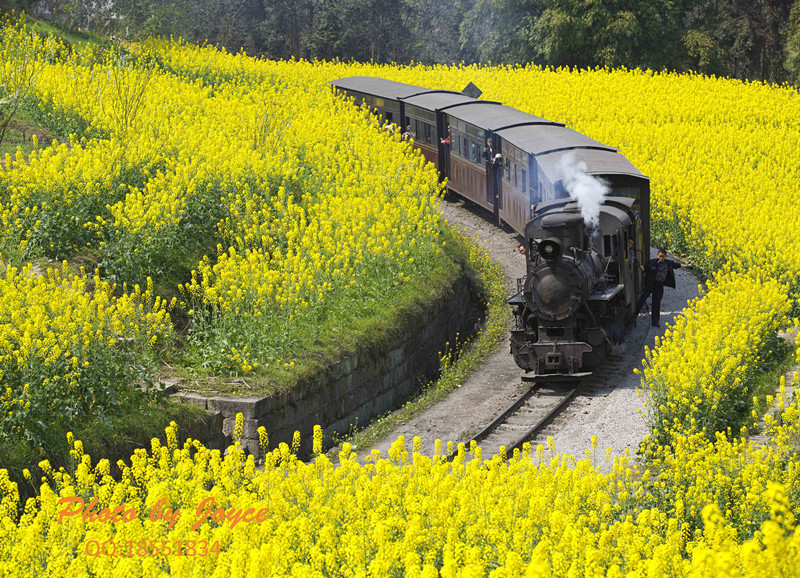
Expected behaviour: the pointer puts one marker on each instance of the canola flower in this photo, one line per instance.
(722, 154)
(183, 510)
(737, 228)
(697, 375)
(63, 347)
(299, 213)
(301, 203)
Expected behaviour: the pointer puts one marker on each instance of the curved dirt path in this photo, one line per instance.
(611, 411)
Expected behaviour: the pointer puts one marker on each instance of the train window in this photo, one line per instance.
(361, 98)
(508, 170)
(523, 185)
(516, 171)
(610, 246)
(625, 191)
(426, 132)
(379, 102)
(475, 152)
(422, 114)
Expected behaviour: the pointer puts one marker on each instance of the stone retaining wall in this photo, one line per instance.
(372, 381)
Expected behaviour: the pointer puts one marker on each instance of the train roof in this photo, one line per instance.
(493, 117)
(438, 100)
(598, 162)
(624, 203)
(543, 139)
(614, 213)
(380, 87)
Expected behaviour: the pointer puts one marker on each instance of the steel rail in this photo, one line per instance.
(510, 410)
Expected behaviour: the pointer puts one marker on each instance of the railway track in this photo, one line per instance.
(528, 416)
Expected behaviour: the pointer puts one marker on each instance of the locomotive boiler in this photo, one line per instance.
(579, 292)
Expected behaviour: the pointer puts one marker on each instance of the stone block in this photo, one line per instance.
(250, 445)
(228, 425)
(250, 428)
(249, 407)
(192, 398)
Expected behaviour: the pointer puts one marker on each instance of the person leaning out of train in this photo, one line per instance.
(497, 163)
(487, 150)
(658, 274)
(446, 140)
(409, 135)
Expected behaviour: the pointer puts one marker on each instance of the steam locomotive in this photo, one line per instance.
(581, 284)
(579, 294)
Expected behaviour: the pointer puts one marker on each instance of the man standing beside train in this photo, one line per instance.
(658, 274)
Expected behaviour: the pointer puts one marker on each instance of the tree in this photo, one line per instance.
(612, 33)
(97, 15)
(434, 30)
(365, 30)
(738, 38)
(286, 26)
(499, 30)
(160, 18)
(793, 44)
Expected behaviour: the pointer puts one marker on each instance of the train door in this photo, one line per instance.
(443, 147)
(498, 177)
(494, 176)
(633, 259)
(535, 194)
(642, 252)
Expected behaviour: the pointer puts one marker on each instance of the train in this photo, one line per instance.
(582, 208)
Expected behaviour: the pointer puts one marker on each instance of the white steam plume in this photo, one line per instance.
(584, 188)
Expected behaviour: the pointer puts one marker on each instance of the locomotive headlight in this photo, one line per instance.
(550, 249)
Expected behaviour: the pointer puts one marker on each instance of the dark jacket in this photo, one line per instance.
(651, 269)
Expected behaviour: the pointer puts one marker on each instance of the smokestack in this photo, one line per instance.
(586, 189)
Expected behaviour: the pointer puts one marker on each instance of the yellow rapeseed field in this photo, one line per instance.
(311, 208)
(189, 511)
